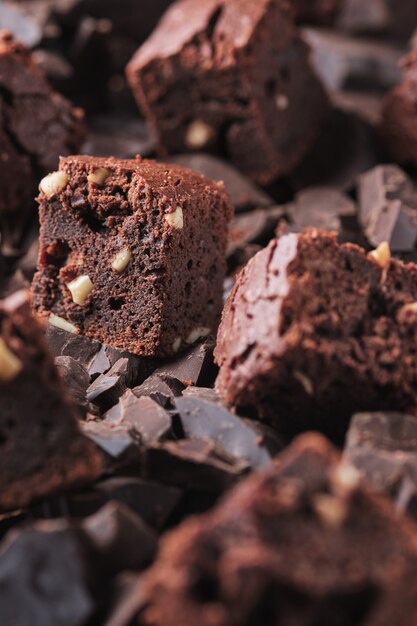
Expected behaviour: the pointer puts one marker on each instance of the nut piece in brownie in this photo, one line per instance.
(315, 331)
(230, 76)
(398, 126)
(36, 126)
(42, 449)
(132, 252)
(302, 543)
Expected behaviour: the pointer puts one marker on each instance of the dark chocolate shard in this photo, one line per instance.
(145, 419)
(76, 380)
(120, 538)
(382, 446)
(113, 440)
(107, 388)
(244, 440)
(161, 388)
(255, 226)
(388, 207)
(321, 207)
(63, 343)
(243, 193)
(195, 367)
(193, 463)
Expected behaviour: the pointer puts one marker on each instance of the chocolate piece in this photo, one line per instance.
(107, 388)
(322, 207)
(308, 321)
(120, 538)
(301, 543)
(151, 238)
(202, 393)
(36, 126)
(398, 124)
(193, 463)
(114, 441)
(163, 389)
(47, 452)
(123, 137)
(241, 439)
(145, 419)
(252, 227)
(52, 555)
(244, 195)
(154, 502)
(388, 207)
(195, 367)
(382, 447)
(76, 380)
(246, 74)
(63, 343)
(347, 63)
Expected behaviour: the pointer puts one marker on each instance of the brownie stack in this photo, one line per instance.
(208, 313)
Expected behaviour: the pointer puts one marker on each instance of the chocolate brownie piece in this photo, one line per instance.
(132, 252)
(398, 126)
(230, 76)
(36, 126)
(302, 543)
(315, 331)
(42, 449)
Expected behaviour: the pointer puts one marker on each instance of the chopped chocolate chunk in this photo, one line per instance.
(114, 441)
(246, 74)
(347, 63)
(120, 538)
(45, 577)
(132, 253)
(146, 420)
(47, 452)
(154, 502)
(203, 393)
(308, 321)
(321, 207)
(301, 543)
(36, 126)
(193, 463)
(107, 388)
(76, 380)
(161, 388)
(242, 439)
(388, 207)
(389, 17)
(253, 227)
(244, 195)
(123, 137)
(398, 124)
(64, 343)
(195, 367)
(383, 448)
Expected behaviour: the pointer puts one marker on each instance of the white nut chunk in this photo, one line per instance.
(412, 306)
(60, 322)
(177, 344)
(121, 260)
(331, 511)
(176, 219)
(80, 289)
(382, 255)
(10, 365)
(53, 184)
(197, 333)
(198, 135)
(99, 176)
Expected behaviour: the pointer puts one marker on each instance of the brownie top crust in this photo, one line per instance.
(232, 25)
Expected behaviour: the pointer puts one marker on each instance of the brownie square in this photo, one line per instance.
(315, 331)
(230, 76)
(301, 544)
(132, 253)
(36, 126)
(42, 449)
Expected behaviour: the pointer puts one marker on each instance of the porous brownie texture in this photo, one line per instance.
(36, 126)
(42, 449)
(315, 331)
(398, 125)
(302, 543)
(230, 76)
(132, 253)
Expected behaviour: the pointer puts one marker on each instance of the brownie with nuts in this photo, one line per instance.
(234, 77)
(315, 331)
(132, 253)
(301, 543)
(398, 126)
(36, 126)
(42, 449)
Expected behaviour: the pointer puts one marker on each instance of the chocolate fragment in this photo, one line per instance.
(388, 207)
(243, 440)
(161, 388)
(321, 207)
(76, 380)
(195, 367)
